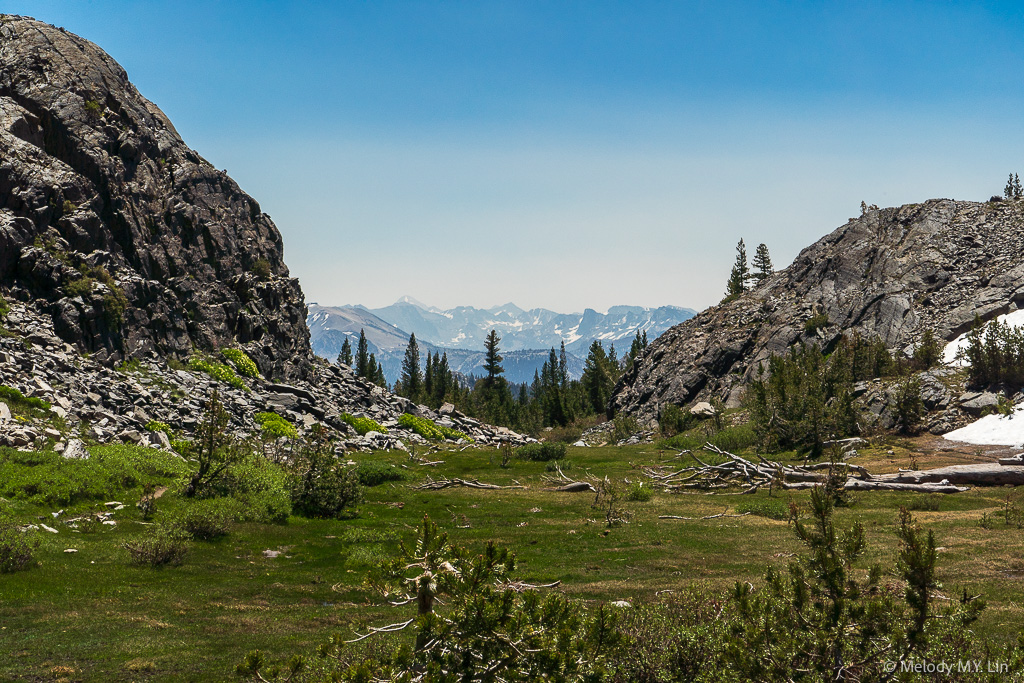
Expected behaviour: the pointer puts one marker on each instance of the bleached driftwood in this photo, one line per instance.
(718, 516)
(752, 476)
(434, 485)
(567, 485)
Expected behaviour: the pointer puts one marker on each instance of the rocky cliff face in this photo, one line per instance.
(135, 244)
(891, 273)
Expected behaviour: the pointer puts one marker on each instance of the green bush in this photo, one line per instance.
(624, 426)
(909, 407)
(555, 465)
(259, 487)
(79, 287)
(155, 426)
(15, 547)
(242, 362)
(5, 308)
(274, 426)
(815, 323)
(802, 400)
(772, 508)
(324, 487)
(674, 420)
(15, 400)
(261, 269)
(47, 478)
(928, 352)
(205, 520)
(734, 438)
(429, 430)
(363, 425)
(164, 546)
(375, 473)
(218, 371)
(638, 492)
(541, 451)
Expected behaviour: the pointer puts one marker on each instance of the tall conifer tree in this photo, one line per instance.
(763, 262)
(412, 378)
(363, 358)
(492, 361)
(740, 271)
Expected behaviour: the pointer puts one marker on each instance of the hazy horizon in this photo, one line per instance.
(572, 155)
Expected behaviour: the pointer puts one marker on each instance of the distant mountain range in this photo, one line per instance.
(526, 336)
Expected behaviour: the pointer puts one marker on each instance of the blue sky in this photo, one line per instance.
(570, 154)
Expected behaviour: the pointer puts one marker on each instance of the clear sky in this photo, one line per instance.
(570, 154)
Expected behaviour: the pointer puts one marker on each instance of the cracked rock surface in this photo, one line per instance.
(94, 176)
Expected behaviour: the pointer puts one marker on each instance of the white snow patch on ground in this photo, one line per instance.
(1014, 319)
(992, 430)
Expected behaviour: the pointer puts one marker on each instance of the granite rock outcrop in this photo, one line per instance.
(890, 273)
(138, 246)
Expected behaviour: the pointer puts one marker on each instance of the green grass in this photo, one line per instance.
(110, 621)
(46, 478)
(20, 403)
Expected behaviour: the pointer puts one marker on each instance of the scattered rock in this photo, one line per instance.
(703, 409)
(75, 450)
(977, 403)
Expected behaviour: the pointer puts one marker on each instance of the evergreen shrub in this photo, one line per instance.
(240, 359)
(375, 473)
(274, 426)
(542, 451)
(218, 371)
(430, 430)
(363, 425)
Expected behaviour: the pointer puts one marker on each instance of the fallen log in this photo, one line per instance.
(718, 516)
(567, 485)
(737, 471)
(981, 474)
(435, 485)
(574, 487)
(861, 485)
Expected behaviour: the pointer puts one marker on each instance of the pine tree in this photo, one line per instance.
(363, 357)
(635, 348)
(492, 362)
(763, 262)
(412, 378)
(444, 382)
(345, 357)
(1017, 189)
(428, 379)
(740, 272)
(375, 372)
(597, 380)
(563, 367)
